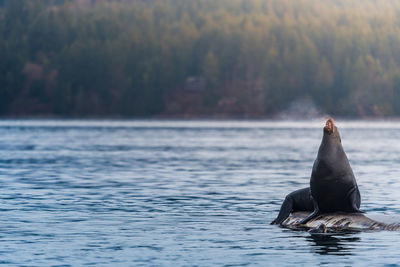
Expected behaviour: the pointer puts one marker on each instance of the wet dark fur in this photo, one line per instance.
(299, 200)
(333, 185)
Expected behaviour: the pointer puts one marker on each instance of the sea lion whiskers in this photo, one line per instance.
(330, 125)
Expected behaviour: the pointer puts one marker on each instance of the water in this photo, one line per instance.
(182, 193)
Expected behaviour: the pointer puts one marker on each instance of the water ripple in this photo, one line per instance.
(181, 193)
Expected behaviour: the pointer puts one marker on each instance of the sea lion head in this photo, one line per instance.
(329, 126)
(331, 130)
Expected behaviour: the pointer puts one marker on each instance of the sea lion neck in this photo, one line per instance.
(330, 145)
(330, 142)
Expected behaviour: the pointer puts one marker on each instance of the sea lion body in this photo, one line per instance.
(299, 200)
(333, 185)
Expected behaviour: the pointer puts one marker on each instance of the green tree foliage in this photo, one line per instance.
(135, 58)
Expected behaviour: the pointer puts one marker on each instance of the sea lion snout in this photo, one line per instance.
(330, 125)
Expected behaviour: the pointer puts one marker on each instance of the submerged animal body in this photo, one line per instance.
(333, 185)
(342, 221)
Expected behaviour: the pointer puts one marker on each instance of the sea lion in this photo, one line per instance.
(333, 185)
(299, 200)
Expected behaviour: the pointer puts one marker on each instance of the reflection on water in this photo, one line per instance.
(182, 193)
(334, 244)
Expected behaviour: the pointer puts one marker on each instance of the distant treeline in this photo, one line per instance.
(198, 57)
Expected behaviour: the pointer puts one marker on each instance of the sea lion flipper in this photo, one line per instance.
(286, 209)
(355, 208)
(314, 214)
(355, 199)
(299, 200)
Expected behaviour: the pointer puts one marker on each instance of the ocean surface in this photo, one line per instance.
(183, 193)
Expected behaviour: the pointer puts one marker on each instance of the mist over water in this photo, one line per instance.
(182, 193)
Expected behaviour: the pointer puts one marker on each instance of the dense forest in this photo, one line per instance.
(248, 58)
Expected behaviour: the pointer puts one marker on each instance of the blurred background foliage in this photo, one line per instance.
(245, 58)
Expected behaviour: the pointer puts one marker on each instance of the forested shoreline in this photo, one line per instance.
(235, 58)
